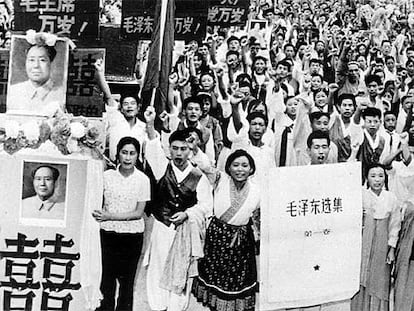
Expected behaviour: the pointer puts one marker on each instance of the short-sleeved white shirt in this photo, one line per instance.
(121, 195)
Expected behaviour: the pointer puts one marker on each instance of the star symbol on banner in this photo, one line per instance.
(316, 268)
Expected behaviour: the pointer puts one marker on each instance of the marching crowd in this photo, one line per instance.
(320, 82)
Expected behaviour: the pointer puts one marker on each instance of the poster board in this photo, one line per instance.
(43, 259)
(72, 18)
(83, 95)
(138, 19)
(227, 13)
(309, 228)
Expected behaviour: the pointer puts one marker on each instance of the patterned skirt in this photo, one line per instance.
(227, 278)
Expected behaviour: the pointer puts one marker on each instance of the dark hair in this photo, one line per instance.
(55, 171)
(192, 99)
(232, 38)
(372, 78)
(285, 63)
(344, 96)
(127, 140)
(315, 60)
(375, 165)
(317, 115)
(50, 50)
(253, 104)
(253, 115)
(179, 135)
(317, 135)
(386, 113)
(319, 91)
(198, 132)
(237, 154)
(231, 52)
(133, 95)
(371, 112)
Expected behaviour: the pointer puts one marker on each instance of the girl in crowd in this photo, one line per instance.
(381, 225)
(227, 278)
(126, 191)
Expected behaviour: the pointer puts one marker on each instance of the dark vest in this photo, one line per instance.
(172, 197)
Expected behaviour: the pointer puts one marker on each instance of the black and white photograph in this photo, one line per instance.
(37, 75)
(43, 196)
(224, 155)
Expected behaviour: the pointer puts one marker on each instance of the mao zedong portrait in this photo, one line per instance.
(38, 95)
(44, 203)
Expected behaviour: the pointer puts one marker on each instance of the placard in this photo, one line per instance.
(138, 19)
(74, 19)
(228, 13)
(46, 261)
(311, 232)
(83, 96)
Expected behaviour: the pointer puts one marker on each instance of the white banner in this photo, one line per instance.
(311, 224)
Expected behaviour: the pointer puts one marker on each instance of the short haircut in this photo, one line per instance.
(285, 63)
(317, 135)
(315, 61)
(386, 113)
(372, 78)
(231, 52)
(50, 50)
(192, 99)
(317, 115)
(55, 171)
(179, 135)
(129, 94)
(371, 112)
(232, 38)
(237, 154)
(127, 140)
(317, 75)
(254, 103)
(253, 115)
(344, 96)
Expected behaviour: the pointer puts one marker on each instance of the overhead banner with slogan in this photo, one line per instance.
(228, 12)
(138, 19)
(49, 248)
(311, 226)
(83, 97)
(72, 18)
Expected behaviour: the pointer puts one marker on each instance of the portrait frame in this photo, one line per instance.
(58, 75)
(28, 195)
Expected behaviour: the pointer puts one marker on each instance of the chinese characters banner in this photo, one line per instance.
(45, 264)
(138, 19)
(311, 224)
(72, 18)
(83, 98)
(4, 75)
(228, 12)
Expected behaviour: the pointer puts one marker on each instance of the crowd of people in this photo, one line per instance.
(323, 82)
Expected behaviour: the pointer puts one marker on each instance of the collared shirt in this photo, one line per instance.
(119, 128)
(121, 195)
(45, 100)
(34, 207)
